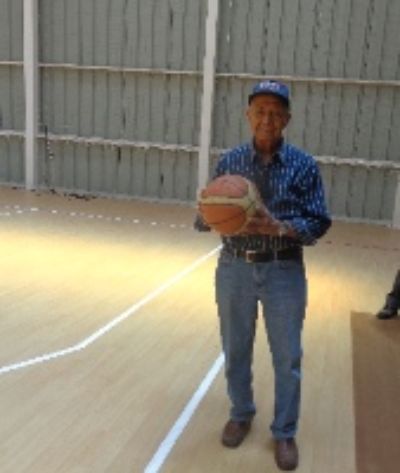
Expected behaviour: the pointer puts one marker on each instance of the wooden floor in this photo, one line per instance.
(75, 404)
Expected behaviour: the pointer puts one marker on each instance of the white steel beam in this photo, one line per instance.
(31, 92)
(396, 212)
(219, 75)
(208, 92)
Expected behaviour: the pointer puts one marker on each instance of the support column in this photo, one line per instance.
(31, 77)
(396, 212)
(208, 92)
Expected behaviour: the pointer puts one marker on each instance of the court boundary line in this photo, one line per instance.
(17, 210)
(180, 424)
(113, 323)
(13, 210)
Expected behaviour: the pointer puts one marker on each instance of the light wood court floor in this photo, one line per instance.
(70, 403)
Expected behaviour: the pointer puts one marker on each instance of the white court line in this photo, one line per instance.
(113, 323)
(168, 443)
(88, 216)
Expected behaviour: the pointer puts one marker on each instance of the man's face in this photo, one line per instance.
(267, 117)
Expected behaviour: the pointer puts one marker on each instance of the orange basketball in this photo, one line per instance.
(228, 202)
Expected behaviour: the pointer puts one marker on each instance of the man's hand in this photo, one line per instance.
(262, 223)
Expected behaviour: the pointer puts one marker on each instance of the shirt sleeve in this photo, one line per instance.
(221, 167)
(199, 224)
(313, 220)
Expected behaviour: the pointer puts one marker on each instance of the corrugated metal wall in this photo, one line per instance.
(12, 103)
(321, 39)
(121, 88)
(131, 95)
(344, 39)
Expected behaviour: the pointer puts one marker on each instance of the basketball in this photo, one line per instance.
(228, 202)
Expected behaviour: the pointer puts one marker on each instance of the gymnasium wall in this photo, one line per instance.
(12, 103)
(342, 61)
(121, 85)
(135, 96)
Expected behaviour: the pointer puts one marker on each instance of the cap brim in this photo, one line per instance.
(284, 100)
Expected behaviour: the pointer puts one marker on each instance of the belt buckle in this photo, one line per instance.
(249, 256)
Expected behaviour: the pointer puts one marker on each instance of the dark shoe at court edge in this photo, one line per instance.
(388, 312)
(235, 432)
(286, 454)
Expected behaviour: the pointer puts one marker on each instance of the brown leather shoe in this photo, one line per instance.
(286, 454)
(235, 432)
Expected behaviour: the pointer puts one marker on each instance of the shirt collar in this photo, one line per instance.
(279, 156)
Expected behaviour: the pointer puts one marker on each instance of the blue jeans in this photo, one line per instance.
(281, 288)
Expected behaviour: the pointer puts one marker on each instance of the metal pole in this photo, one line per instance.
(396, 212)
(208, 92)
(31, 91)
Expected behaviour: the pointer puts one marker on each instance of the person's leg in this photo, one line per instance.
(237, 310)
(392, 303)
(394, 294)
(283, 294)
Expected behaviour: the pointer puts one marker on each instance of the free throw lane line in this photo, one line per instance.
(113, 323)
(168, 443)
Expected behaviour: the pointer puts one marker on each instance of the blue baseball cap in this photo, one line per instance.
(271, 87)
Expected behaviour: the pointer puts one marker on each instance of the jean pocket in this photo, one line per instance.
(225, 258)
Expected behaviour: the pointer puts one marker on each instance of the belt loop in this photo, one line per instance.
(250, 255)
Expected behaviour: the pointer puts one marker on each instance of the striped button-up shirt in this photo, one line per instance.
(291, 189)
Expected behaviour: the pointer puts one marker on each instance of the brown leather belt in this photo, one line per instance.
(251, 256)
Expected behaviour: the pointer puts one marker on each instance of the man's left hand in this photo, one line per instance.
(262, 223)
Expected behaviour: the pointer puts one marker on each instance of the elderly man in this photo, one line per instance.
(265, 264)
